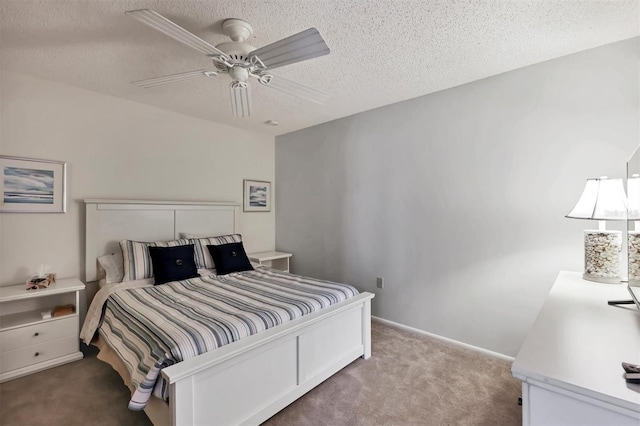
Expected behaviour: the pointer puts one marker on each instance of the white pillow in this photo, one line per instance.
(113, 265)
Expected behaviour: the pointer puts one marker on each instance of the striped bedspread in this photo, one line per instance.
(154, 327)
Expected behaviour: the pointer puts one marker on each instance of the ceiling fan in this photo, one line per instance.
(241, 60)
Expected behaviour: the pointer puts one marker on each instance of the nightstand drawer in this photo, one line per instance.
(37, 353)
(38, 333)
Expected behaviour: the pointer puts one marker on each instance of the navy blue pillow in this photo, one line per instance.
(230, 258)
(173, 263)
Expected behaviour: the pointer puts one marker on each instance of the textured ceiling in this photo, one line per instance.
(382, 51)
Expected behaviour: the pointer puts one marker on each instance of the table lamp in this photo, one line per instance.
(603, 199)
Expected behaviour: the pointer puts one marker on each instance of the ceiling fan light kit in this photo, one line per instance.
(240, 60)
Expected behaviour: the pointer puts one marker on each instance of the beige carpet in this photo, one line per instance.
(410, 380)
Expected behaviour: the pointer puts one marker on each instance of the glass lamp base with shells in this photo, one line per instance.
(602, 256)
(634, 258)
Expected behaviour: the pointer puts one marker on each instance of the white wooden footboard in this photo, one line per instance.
(249, 381)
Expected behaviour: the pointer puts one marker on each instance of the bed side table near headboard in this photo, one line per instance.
(273, 259)
(570, 361)
(31, 337)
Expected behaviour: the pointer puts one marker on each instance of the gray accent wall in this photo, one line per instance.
(457, 199)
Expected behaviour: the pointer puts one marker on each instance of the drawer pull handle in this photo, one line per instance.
(37, 354)
(36, 334)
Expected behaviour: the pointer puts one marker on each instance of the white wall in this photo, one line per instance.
(458, 198)
(117, 149)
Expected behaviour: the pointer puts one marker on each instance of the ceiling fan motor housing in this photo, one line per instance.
(237, 50)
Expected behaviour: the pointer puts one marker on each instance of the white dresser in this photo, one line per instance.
(569, 363)
(29, 343)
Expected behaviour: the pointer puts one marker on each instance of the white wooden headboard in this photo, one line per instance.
(110, 221)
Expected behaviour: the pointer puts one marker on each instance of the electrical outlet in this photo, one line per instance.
(380, 282)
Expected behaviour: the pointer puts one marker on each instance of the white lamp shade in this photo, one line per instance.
(602, 199)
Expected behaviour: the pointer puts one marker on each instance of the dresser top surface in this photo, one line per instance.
(578, 342)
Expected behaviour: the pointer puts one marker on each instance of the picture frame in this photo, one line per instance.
(29, 185)
(257, 196)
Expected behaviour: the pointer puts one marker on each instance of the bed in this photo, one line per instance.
(249, 380)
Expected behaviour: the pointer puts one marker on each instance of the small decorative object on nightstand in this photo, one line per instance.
(273, 259)
(603, 199)
(43, 279)
(32, 337)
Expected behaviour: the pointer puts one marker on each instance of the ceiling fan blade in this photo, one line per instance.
(165, 26)
(240, 99)
(294, 88)
(173, 78)
(298, 47)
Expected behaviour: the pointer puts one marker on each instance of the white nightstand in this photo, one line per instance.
(273, 259)
(29, 343)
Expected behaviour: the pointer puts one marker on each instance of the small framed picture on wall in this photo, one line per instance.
(257, 196)
(32, 186)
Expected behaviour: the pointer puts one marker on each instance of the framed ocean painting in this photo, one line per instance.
(32, 186)
(257, 196)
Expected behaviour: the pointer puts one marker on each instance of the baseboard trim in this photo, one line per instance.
(446, 339)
